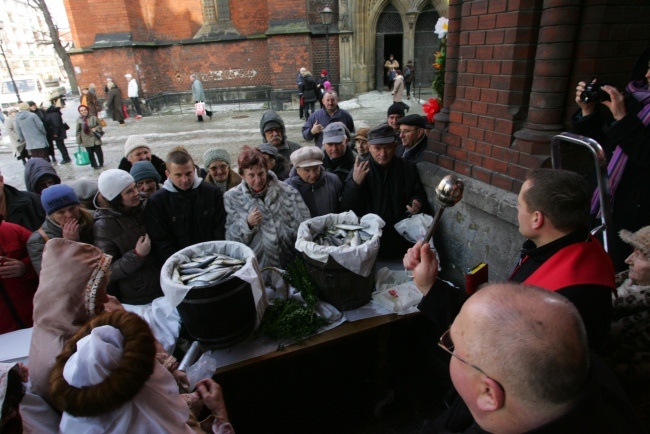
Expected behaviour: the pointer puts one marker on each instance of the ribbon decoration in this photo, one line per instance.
(431, 108)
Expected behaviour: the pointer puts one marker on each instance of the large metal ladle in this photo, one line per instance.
(448, 193)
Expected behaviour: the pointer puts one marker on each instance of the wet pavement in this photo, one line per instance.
(231, 127)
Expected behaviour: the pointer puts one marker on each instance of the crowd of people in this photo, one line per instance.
(533, 354)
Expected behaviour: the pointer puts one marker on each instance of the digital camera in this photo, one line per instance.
(594, 93)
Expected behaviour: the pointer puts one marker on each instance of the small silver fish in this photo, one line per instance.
(349, 227)
(215, 276)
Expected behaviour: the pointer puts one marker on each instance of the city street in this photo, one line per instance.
(231, 128)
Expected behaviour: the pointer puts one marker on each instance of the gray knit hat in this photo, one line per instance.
(212, 155)
(639, 239)
(133, 143)
(113, 182)
(144, 170)
(268, 149)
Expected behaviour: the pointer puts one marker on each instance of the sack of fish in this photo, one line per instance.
(351, 242)
(209, 264)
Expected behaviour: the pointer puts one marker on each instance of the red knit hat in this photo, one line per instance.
(323, 72)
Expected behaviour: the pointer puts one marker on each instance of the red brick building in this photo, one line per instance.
(512, 67)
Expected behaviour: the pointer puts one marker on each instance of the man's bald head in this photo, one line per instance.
(532, 341)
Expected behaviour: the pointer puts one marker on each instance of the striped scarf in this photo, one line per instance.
(616, 167)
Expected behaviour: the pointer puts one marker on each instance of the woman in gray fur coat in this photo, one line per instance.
(264, 213)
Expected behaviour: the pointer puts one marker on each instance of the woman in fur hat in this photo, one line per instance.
(107, 379)
(627, 349)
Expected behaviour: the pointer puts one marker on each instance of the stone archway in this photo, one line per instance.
(389, 36)
(363, 51)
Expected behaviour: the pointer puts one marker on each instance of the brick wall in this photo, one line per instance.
(514, 65)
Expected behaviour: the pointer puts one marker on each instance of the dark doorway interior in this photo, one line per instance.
(390, 36)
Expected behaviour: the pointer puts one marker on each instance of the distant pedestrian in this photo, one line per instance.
(309, 92)
(87, 125)
(398, 87)
(31, 130)
(17, 144)
(409, 77)
(390, 66)
(301, 99)
(199, 96)
(133, 93)
(114, 103)
(58, 131)
(107, 87)
(38, 111)
(89, 99)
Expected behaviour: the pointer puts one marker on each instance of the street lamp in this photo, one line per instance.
(326, 16)
(2, 48)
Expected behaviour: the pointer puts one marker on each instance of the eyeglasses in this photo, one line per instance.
(447, 344)
(274, 130)
(408, 131)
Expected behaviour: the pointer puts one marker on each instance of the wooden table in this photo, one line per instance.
(343, 331)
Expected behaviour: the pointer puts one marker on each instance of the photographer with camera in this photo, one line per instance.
(620, 122)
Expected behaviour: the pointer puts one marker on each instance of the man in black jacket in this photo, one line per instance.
(21, 207)
(385, 185)
(185, 211)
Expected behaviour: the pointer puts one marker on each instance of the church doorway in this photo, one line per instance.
(389, 40)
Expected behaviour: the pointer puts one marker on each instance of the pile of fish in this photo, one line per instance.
(207, 270)
(342, 234)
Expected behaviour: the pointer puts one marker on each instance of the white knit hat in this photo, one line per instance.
(133, 143)
(113, 182)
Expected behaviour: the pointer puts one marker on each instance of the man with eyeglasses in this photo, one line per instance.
(414, 138)
(274, 132)
(520, 363)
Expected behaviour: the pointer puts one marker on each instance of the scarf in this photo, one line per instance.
(616, 167)
(84, 122)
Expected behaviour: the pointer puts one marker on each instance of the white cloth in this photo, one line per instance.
(4, 378)
(360, 259)
(175, 292)
(157, 408)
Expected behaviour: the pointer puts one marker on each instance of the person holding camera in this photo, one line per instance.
(620, 122)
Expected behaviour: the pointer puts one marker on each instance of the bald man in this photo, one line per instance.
(520, 362)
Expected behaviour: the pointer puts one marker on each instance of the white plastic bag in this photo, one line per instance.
(360, 259)
(205, 367)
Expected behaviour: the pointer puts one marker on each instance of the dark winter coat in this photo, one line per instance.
(36, 242)
(116, 233)
(321, 197)
(416, 153)
(35, 169)
(287, 147)
(386, 191)
(282, 168)
(55, 119)
(177, 219)
(631, 205)
(23, 208)
(114, 104)
(158, 164)
(340, 166)
(308, 89)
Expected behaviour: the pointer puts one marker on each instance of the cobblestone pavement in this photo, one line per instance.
(231, 127)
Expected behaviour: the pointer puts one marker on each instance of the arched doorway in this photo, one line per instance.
(388, 40)
(426, 44)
